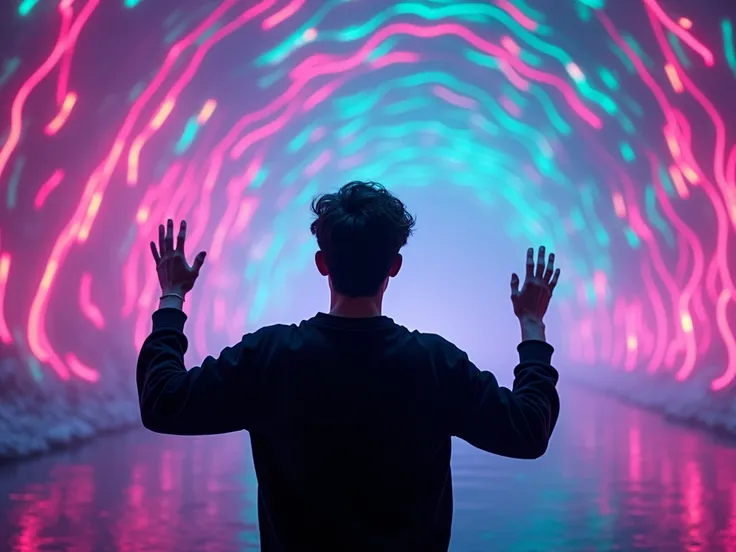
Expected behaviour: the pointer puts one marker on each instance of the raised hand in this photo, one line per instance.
(174, 273)
(531, 302)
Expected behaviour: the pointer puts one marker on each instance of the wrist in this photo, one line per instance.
(171, 300)
(532, 329)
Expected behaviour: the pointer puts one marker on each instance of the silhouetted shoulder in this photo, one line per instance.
(276, 336)
(444, 353)
(278, 330)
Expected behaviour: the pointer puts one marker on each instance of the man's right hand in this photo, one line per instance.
(531, 302)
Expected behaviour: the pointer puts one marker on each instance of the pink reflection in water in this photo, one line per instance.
(130, 493)
(615, 478)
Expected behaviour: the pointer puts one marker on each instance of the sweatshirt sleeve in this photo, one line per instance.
(220, 396)
(517, 422)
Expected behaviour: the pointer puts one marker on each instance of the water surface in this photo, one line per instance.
(615, 478)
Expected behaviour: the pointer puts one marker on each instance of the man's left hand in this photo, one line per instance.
(174, 273)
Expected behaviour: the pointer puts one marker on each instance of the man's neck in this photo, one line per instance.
(355, 307)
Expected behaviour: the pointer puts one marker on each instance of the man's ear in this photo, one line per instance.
(396, 266)
(319, 260)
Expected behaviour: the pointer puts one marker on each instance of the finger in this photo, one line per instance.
(529, 263)
(198, 262)
(154, 251)
(161, 239)
(181, 236)
(169, 240)
(553, 282)
(550, 268)
(540, 263)
(514, 284)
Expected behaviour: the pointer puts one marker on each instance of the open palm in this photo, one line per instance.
(532, 301)
(174, 273)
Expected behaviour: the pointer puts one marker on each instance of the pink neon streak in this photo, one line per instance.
(246, 212)
(81, 370)
(261, 133)
(16, 110)
(306, 70)
(89, 309)
(660, 317)
(683, 35)
(395, 57)
(318, 164)
(513, 76)
(5, 335)
(282, 15)
(454, 98)
(322, 94)
(721, 318)
(520, 17)
(55, 125)
(690, 345)
(47, 187)
(36, 336)
(203, 169)
(720, 152)
(65, 65)
(510, 106)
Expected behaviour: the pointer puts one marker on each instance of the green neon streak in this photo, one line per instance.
(667, 184)
(527, 10)
(405, 106)
(13, 182)
(629, 102)
(175, 33)
(626, 124)
(26, 7)
(10, 66)
(283, 50)
(627, 152)
(259, 178)
(634, 45)
(434, 14)
(271, 79)
(608, 78)
(172, 18)
(362, 104)
(301, 139)
(382, 49)
(512, 93)
(650, 202)
(187, 137)
(265, 267)
(728, 44)
(530, 59)
(627, 63)
(632, 238)
(446, 12)
(136, 91)
(551, 111)
(679, 52)
(593, 4)
(588, 200)
(584, 12)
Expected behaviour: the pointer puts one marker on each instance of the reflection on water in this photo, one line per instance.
(615, 478)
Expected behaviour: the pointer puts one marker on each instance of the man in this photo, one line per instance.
(350, 414)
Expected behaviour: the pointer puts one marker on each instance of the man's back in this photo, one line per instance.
(350, 422)
(350, 415)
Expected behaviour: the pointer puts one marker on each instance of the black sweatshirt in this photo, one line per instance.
(350, 422)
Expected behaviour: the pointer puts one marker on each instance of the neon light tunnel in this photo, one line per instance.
(603, 132)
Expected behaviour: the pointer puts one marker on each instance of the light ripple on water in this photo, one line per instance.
(614, 478)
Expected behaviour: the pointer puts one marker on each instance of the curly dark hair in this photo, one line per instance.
(360, 230)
